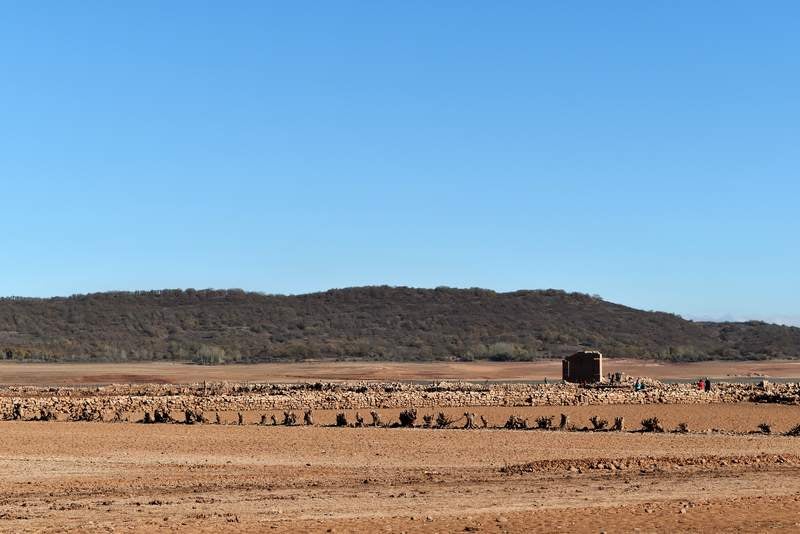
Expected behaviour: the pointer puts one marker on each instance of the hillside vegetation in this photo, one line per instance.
(366, 323)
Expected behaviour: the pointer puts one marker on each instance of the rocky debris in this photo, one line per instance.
(649, 463)
(89, 404)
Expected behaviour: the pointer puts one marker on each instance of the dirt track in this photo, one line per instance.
(46, 374)
(87, 476)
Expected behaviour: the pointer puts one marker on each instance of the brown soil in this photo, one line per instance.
(47, 374)
(99, 477)
(96, 476)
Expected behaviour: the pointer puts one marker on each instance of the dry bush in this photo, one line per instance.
(308, 418)
(289, 418)
(159, 416)
(652, 424)
(619, 424)
(376, 418)
(564, 423)
(516, 422)
(443, 420)
(408, 417)
(682, 428)
(263, 419)
(341, 419)
(597, 423)
(794, 431)
(427, 421)
(544, 422)
(765, 428)
(470, 424)
(484, 422)
(359, 420)
(47, 415)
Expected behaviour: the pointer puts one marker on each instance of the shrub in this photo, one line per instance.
(443, 421)
(765, 428)
(408, 417)
(516, 422)
(652, 424)
(619, 424)
(544, 422)
(289, 418)
(598, 424)
(564, 423)
(341, 419)
(794, 431)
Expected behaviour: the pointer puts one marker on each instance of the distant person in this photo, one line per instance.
(708, 385)
(701, 385)
(545, 381)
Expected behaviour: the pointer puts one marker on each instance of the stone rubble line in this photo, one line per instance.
(103, 402)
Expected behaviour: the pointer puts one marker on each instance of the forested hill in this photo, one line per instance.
(366, 323)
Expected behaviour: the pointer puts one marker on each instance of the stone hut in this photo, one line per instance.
(584, 366)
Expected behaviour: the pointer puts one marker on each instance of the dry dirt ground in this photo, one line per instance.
(46, 374)
(127, 477)
(104, 477)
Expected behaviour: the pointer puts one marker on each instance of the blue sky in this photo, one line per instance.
(644, 151)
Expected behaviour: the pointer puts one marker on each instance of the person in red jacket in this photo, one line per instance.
(701, 385)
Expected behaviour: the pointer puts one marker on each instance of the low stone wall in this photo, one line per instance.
(109, 403)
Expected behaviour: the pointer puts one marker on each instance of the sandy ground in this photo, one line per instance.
(111, 477)
(104, 477)
(47, 374)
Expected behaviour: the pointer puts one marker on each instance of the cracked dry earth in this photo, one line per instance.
(202, 478)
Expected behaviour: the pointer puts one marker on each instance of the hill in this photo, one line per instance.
(366, 323)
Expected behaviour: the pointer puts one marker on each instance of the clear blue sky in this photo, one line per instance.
(645, 151)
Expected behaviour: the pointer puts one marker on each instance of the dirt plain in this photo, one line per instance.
(107, 477)
(44, 374)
